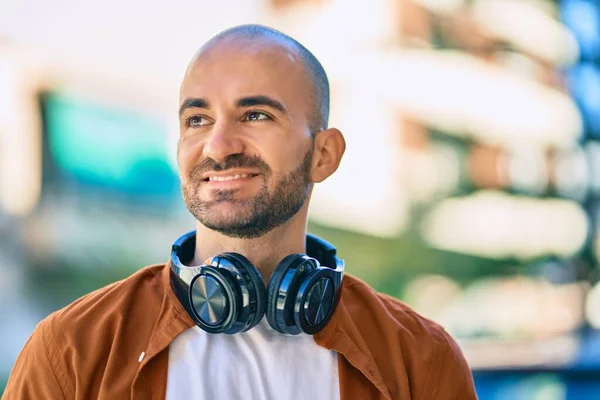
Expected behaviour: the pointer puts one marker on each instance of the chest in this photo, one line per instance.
(259, 364)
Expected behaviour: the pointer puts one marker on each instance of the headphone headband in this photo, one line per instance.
(182, 252)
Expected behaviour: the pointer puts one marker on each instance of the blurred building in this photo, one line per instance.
(470, 187)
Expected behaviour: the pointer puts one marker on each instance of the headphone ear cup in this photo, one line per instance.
(250, 283)
(316, 301)
(282, 290)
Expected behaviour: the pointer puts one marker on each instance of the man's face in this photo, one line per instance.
(245, 150)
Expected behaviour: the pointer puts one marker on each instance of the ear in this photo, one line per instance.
(330, 146)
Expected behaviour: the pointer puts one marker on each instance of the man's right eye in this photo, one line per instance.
(196, 121)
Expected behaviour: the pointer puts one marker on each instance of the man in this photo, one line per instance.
(254, 107)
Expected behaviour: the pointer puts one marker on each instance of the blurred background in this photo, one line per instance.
(470, 188)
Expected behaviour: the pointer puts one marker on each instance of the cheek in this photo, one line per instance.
(282, 164)
(187, 157)
(291, 156)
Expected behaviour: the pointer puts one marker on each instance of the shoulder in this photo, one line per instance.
(106, 320)
(405, 344)
(109, 304)
(365, 303)
(147, 278)
(69, 350)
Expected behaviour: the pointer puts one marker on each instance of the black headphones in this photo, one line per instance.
(227, 293)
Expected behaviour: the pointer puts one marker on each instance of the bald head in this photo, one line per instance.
(319, 84)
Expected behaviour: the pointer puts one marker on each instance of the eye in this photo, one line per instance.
(196, 121)
(256, 116)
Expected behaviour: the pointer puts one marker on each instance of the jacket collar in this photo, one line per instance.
(172, 320)
(342, 335)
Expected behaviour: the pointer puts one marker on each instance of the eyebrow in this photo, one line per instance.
(193, 103)
(249, 101)
(261, 100)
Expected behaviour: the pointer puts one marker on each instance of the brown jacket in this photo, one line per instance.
(92, 349)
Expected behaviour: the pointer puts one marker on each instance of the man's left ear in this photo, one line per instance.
(330, 146)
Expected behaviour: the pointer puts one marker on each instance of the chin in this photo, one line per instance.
(237, 229)
(226, 215)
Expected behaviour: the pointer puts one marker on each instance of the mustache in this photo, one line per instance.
(232, 161)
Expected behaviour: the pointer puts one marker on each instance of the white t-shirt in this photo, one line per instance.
(258, 364)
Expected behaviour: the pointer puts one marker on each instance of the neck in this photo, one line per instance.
(264, 252)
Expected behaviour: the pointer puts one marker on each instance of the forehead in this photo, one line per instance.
(233, 68)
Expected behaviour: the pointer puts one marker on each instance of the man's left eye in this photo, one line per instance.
(256, 116)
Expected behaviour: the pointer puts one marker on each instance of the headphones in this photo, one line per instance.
(227, 294)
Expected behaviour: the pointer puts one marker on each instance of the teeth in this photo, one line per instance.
(227, 178)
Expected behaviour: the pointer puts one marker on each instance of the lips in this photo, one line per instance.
(226, 178)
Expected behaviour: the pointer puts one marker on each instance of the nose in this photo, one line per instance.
(223, 141)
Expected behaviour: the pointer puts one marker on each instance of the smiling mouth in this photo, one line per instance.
(228, 177)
